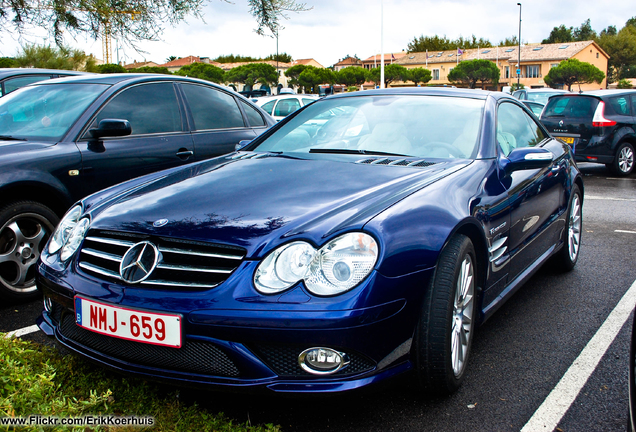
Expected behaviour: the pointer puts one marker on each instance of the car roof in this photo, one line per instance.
(8, 72)
(434, 91)
(543, 90)
(599, 93)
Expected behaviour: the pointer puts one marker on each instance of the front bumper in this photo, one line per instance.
(254, 348)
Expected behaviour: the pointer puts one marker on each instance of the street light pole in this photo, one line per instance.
(519, 58)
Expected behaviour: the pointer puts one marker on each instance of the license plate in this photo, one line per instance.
(130, 324)
(567, 140)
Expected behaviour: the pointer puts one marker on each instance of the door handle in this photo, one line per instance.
(184, 153)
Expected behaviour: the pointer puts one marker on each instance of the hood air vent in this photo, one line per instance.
(417, 163)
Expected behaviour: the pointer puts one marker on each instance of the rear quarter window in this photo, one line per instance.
(620, 105)
(570, 107)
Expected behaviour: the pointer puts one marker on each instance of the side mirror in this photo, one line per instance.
(241, 144)
(526, 158)
(111, 128)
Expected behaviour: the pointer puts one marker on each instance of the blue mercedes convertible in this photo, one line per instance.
(365, 236)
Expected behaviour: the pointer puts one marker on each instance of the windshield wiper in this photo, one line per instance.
(354, 151)
(11, 138)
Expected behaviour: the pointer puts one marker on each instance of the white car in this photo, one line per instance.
(282, 105)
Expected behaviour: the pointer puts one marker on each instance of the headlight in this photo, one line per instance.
(337, 267)
(74, 239)
(64, 228)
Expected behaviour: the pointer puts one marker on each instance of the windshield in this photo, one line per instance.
(45, 112)
(541, 97)
(419, 126)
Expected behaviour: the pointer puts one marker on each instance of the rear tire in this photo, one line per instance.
(623, 164)
(25, 227)
(444, 334)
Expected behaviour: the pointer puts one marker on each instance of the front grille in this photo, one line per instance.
(182, 264)
(283, 359)
(194, 356)
(417, 163)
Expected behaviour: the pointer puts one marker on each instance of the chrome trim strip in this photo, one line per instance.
(202, 254)
(99, 270)
(192, 269)
(103, 255)
(111, 241)
(177, 284)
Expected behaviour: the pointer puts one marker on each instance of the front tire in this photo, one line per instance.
(567, 257)
(623, 164)
(25, 227)
(445, 331)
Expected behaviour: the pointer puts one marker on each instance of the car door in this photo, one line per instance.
(158, 140)
(216, 120)
(536, 196)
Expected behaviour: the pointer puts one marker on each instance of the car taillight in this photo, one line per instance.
(599, 119)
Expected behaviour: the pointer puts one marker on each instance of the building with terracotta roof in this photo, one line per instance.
(307, 62)
(136, 64)
(177, 64)
(536, 62)
(374, 61)
(347, 62)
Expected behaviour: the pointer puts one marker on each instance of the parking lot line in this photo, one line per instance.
(596, 197)
(554, 407)
(23, 331)
(624, 231)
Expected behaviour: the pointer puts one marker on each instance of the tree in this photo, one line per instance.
(253, 73)
(171, 58)
(609, 31)
(585, 32)
(312, 77)
(622, 51)
(559, 34)
(48, 57)
(203, 71)
(625, 84)
(231, 58)
(574, 71)
(352, 76)
(7, 62)
(131, 21)
(392, 72)
(151, 69)
(111, 68)
(473, 71)
(281, 57)
(511, 41)
(420, 75)
(293, 73)
(436, 43)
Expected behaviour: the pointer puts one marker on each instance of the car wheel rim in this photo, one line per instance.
(462, 316)
(574, 228)
(626, 159)
(21, 240)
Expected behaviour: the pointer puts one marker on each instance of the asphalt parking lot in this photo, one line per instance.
(519, 356)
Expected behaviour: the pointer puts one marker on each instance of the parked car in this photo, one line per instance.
(540, 95)
(535, 107)
(600, 126)
(13, 78)
(322, 263)
(61, 140)
(282, 105)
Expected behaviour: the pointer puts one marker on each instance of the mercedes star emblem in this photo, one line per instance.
(560, 123)
(138, 262)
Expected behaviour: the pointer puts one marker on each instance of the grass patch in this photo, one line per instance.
(38, 380)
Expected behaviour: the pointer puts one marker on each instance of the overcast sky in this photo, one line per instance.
(335, 28)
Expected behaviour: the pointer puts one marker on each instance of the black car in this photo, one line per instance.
(61, 140)
(13, 78)
(600, 126)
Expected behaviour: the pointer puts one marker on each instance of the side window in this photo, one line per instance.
(150, 108)
(15, 83)
(308, 101)
(253, 116)
(286, 107)
(620, 105)
(269, 106)
(633, 98)
(515, 129)
(212, 108)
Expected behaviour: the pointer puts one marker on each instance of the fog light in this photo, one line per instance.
(322, 361)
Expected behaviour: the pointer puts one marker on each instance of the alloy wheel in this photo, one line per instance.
(462, 324)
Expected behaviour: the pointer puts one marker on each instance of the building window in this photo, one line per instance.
(435, 74)
(553, 65)
(596, 55)
(506, 71)
(532, 71)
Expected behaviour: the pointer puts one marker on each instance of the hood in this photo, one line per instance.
(259, 202)
(8, 147)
